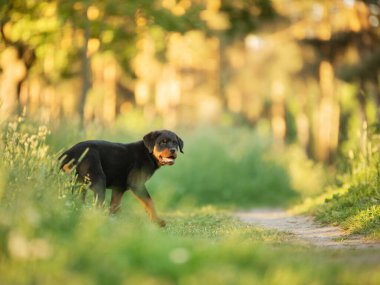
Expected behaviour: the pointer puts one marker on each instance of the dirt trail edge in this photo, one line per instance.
(305, 229)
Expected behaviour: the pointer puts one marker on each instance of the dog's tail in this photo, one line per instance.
(66, 162)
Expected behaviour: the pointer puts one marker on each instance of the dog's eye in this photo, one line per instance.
(163, 142)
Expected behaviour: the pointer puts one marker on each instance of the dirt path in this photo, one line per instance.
(305, 229)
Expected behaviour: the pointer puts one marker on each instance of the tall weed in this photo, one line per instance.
(32, 191)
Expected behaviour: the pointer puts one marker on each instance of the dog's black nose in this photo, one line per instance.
(173, 150)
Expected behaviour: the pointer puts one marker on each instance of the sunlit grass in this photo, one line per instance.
(356, 209)
(366, 220)
(48, 237)
(354, 204)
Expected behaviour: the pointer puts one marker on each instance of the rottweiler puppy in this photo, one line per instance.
(122, 167)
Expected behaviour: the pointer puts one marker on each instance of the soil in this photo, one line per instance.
(305, 229)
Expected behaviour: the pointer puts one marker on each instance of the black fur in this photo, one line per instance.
(121, 167)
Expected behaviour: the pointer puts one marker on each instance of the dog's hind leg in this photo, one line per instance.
(115, 201)
(90, 171)
(98, 185)
(83, 195)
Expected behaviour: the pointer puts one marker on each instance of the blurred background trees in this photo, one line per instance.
(306, 71)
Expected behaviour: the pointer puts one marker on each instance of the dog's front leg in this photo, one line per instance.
(142, 195)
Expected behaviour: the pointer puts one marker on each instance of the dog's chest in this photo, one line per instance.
(139, 176)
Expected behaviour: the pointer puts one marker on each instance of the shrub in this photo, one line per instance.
(231, 167)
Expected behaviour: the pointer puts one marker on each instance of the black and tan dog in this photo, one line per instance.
(123, 167)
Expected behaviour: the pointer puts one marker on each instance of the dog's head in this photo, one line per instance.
(164, 146)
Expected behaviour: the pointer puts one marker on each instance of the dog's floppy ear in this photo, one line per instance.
(180, 143)
(150, 139)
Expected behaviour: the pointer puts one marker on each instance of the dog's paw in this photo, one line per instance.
(161, 222)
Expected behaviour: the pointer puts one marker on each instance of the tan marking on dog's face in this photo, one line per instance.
(165, 149)
(164, 157)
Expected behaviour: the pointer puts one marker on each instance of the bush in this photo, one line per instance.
(225, 168)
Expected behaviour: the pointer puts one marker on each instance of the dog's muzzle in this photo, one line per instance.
(169, 160)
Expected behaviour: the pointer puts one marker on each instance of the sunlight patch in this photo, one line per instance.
(363, 219)
(179, 255)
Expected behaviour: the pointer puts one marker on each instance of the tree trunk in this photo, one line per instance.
(375, 92)
(86, 70)
(327, 123)
(360, 95)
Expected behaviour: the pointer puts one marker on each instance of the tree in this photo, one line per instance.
(344, 37)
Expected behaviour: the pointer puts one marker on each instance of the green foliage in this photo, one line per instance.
(354, 203)
(225, 167)
(55, 29)
(244, 16)
(239, 168)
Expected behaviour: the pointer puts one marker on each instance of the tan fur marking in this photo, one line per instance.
(67, 167)
(149, 208)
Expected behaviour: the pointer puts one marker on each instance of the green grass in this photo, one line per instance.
(354, 203)
(196, 248)
(48, 237)
(355, 208)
